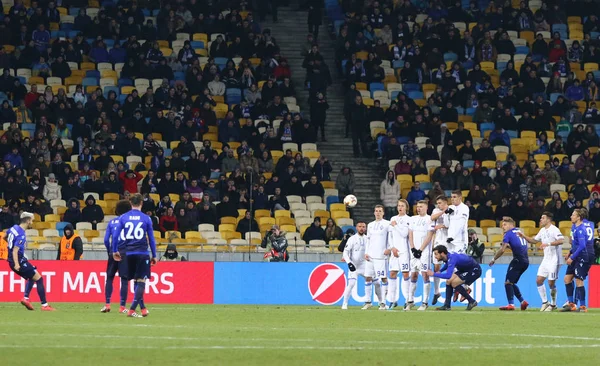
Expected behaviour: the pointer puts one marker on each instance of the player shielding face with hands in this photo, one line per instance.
(376, 252)
(550, 239)
(458, 269)
(354, 256)
(399, 254)
(441, 222)
(420, 234)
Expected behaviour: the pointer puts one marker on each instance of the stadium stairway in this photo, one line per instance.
(290, 32)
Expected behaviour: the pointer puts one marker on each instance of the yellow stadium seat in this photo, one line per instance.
(282, 213)
(262, 213)
(226, 227)
(52, 218)
(337, 207)
(228, 220)
(526, 223)
(266, 220)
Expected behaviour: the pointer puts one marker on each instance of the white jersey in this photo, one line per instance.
(399, 233)
(354, 251)
(459, 223)
(441, 234)
(420, 227)
(552, 254)
(377, 238)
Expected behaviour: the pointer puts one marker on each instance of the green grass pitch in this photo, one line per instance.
(78, 334)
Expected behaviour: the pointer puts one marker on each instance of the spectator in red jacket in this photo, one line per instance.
(282, 70)
(168, 222)
(130, 180)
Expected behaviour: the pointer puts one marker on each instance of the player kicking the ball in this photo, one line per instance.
(354, 256)
(18, 263)
(399, 254)
(551, 240)
(518, 265)
(420, 234)
(459, 269)
(375, 255)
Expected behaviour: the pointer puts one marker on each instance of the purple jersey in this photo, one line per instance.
(134, 231)
(15, 237)
(460, 262)
(517, 245)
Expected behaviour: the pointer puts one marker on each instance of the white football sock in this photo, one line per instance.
(377, 285)
(542, 291)
(383, 290)
(426, 291)
(369, 291)
(553, 295)
(411, 291)
(348, 291)
(405, 286)
(436, 285)
(392, 289)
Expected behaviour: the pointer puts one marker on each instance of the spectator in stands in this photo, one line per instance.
(52, 191)
(332, 231)
(314, 231)
(345, 182)
(389, 193)
(168, 222)
(322, 169)
(313, 188)
(247, 224)
(92, 212)
(112, 185)
(416, 194)
(71, 189)
(278, 201)
(73, 213)
(402, 167)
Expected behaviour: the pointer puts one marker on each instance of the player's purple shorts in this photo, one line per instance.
(470, 276)
(27, 270)
(139, 266)
(516, 268)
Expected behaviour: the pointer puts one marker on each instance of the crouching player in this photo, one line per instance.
(112, 267)
(18, 263)
(467, 272)
(134, 229)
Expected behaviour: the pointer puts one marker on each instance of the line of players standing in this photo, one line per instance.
(434, 246)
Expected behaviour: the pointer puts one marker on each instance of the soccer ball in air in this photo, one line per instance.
(350, 200)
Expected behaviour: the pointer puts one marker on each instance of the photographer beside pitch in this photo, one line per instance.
(275, 238)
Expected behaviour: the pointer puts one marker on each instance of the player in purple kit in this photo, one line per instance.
(578, 260)
(458, 269)
(517, 266)
(112, 267)
(134, 230)
(17, 242)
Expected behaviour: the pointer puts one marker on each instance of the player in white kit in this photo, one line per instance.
(552, 240)
(420, 235)
(354, 256)
(441, 223)
(375, 253)
(399, 254)
(458, 231)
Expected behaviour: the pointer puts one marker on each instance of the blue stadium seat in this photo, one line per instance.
(512, 134)
(90, 81)
(554, 97)
(108, 89)
(125, 82)
(522, 50)
(450, 56)
(197, 44)
(179, 75)
(376, 86)
(395, 94)
(92, 74)
(346, 227)
(416, 94)
(60, 226)
(426, 185)
(466, 164)
(121, 98)
(72, 34)
(73, 11)
(398, 64)
(411, 87)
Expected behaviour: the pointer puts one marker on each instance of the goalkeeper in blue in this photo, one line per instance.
(134, 230)
(112, 266)
(458, 269)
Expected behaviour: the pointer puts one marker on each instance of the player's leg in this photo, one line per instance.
(381, 282)
(425, 266)
(412, 289)
(111, 271)
(436, 284)
(352, 277)
(581, 272)
(124, 289)
(134, 263)
(369, 274)
(405, 268)
(41, 290)
(552, 284)
(394, 268)
(569, 288)
(542, 274)
(28, 277)
(511, 274)
(458, 282)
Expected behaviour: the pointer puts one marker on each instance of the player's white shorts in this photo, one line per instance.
(422, 264)
(400, 263)
(457, 248)
(376, 268)
(360, 271)
(548, 270)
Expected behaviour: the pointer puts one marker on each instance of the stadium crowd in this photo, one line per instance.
(188, 102)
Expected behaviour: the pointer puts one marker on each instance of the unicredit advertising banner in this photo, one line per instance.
(83, 281)
(254, 283)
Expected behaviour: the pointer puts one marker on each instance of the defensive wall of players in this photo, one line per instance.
(250, 283)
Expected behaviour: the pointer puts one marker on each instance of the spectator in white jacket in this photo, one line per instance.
(52, 191)
(216, 87)
(389, 194)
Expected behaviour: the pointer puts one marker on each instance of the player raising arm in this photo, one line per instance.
(467, 272)
(551, 240)
(578, 263)
(518, 265)
(420, 234)
(134, 229)
(18, 263)
(113, 266)
(375, 253)
(354, 256)
(399, 254)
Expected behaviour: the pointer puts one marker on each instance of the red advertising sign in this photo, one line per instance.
(594, 287)
(83, 281)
